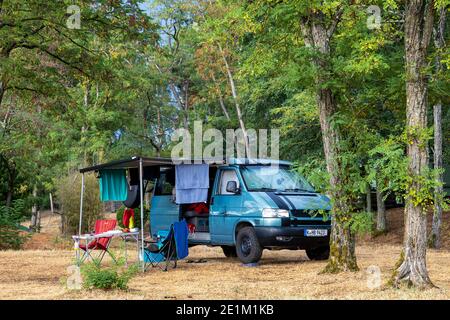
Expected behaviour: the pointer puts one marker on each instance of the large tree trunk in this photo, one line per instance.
(435, 237)
(342, 240)
(381, 212)
(412, 268)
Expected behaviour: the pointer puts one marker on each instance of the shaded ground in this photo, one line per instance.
(42, 274)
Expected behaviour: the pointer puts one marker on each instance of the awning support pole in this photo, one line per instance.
(81, 204)
(142, 212)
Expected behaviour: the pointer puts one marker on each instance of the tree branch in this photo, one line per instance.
(336, 19)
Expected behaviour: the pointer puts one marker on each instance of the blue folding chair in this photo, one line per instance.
(171, 246)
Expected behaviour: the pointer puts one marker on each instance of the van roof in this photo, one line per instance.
(133, 162)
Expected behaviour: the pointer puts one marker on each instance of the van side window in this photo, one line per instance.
(225, 176)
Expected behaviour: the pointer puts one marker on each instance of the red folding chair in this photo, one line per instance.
(101, 244)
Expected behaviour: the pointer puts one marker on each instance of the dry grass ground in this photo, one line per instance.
(41, 274)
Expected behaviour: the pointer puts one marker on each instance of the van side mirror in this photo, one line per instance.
(232, 187)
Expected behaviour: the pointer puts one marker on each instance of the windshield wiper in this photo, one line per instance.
(265, 189)
(298, 189)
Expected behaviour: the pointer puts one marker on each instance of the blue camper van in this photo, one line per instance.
(251, 206)
(248, 204)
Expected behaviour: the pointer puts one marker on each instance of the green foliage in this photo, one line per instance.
(361, 222)
(107, 278)
(11, 236)
(68, 195)
(388, 165)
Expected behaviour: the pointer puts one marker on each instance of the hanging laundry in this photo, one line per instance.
(191, 183)
(113, 185)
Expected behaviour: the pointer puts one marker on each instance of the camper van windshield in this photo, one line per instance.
(268, 178)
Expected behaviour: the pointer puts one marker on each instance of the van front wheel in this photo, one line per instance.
(248, 248)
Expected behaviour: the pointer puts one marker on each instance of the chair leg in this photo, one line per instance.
(86, 255)
(112, 256)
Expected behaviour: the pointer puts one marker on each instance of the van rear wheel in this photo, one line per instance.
(229, 251)
(248, 248)
(320, 253)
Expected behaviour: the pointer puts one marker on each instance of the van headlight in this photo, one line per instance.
(275, 213)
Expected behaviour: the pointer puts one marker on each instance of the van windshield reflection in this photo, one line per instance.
(273, 178)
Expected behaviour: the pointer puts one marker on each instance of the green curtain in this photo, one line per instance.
(113, 185)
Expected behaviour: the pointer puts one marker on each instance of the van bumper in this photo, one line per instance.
(291, 237)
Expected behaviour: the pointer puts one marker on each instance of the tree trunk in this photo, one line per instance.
(368, 199)
(435, 237)
(412, 268)
(381, 212)
(11, 170)
(221, 102)
(2, 91)
(236, 100)
(35, 219)
(10, 192)
(186, 106)
(342, 239)
(51, 202)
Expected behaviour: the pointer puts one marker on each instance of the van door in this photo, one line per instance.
(163, 211)
(225, 207)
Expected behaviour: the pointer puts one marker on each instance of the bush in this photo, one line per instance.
(68, 194)
(11, 236)
(94, 277)
(137, 216)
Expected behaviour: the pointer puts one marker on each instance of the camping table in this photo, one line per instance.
(90, 237)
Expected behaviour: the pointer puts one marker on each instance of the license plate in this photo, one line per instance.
(316, 232)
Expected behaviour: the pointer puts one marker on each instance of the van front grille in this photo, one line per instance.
(304, 222)
(304, 213)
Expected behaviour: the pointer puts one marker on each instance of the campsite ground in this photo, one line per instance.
(40, 272)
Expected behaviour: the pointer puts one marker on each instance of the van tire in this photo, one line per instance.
(248, 248)
(320, 253)
(229, 251)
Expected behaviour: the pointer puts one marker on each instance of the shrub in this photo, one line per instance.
(95, 277)
(11, 236)
(137, 216)
(68, 194)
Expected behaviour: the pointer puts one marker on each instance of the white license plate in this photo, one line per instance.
(316, 232)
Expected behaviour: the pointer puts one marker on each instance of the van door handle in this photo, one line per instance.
(212, 201)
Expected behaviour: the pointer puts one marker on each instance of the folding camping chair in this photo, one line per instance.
(170, 247)
(101, 244)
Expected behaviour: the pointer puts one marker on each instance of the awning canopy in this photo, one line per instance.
(133, 162)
